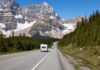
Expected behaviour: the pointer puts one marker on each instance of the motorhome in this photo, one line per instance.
(44, 48)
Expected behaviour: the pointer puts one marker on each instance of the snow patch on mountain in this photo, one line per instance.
(2, 25)
(17, 31)
(24, 28)
(21, 26)
(19, 16)
(69, 27)
(52, 17)
(6, 33)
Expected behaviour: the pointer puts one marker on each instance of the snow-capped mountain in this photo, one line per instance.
(32, 19)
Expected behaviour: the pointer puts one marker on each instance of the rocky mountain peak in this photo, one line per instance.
(45, 3)
(8, 5)
(32, 19)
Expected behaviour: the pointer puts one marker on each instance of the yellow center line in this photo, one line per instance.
(14, 58)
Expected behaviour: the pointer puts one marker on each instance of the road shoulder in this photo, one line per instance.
(65, 63)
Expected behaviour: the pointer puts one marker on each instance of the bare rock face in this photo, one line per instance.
(8, 9)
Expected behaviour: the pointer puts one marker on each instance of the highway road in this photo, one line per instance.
(34, 60)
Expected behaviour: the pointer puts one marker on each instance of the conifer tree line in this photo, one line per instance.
(22, 43)
(86, 34)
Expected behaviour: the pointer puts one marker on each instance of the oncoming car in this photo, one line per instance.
(44, 48)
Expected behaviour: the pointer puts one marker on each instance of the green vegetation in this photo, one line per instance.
(84, 42)
(21, 43)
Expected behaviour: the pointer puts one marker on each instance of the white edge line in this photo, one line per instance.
(40, 62)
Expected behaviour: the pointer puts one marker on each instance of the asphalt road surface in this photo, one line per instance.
(34, 60)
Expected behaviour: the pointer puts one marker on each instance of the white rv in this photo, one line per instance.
(44, 48)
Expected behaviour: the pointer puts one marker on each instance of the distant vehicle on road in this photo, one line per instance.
(52, 47)
(44, 48)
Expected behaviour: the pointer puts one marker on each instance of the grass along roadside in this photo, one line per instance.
(5, 53)
(82, 58)
(11, 52)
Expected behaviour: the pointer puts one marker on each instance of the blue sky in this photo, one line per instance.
(68, 9)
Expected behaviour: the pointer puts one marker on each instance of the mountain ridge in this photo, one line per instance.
(42, 18)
